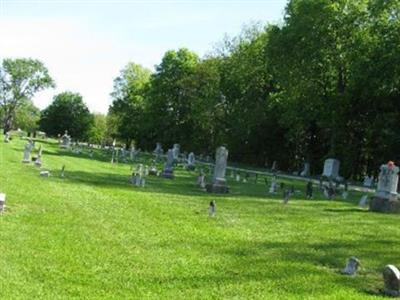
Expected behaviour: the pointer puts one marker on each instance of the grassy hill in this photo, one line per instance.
(92, 235)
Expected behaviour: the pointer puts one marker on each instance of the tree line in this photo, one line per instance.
(322, 83)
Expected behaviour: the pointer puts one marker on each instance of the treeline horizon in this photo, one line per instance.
(325, 83)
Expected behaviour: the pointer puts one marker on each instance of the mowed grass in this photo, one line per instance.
(91, 235)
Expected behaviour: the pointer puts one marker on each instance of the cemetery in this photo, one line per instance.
(87, 227)
(200, 149)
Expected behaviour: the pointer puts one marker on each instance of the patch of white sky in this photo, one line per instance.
(85, 44)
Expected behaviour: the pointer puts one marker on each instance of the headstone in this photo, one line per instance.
(212, 208)
(158, 151)
(391, 278)
(44, 174)
(27, 151)
(132, 152)
(237, 177)
(2, 202)
(306, 170)
(352, 266)
(191, 162)
(368, 181)
(201, 180)
(273, 187)
(176, 152)
(385, 199)
(286, 196)
(274, 166)
(153, 169)
(331, 168)
(7, 138)
(218, 184)
(168, 171)
(65, 141)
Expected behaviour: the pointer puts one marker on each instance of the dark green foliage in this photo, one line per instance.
(67, 112)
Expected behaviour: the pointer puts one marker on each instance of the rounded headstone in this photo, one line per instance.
(391, 278)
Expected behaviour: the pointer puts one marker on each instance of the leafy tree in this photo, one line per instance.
(128, 101)
(67, 112)
(168, 109)
(27, 117)
(20, 80)
(98, 130)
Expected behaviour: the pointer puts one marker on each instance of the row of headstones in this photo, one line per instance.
(391, 276)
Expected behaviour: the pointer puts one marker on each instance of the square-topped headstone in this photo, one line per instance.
(331, 168)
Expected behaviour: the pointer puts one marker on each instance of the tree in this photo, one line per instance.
(98, 130)
(168, 109)
(27, 117)
(20, 80)
(127, 107)
(67, 112)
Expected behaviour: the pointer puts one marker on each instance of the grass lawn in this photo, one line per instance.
(91, 235)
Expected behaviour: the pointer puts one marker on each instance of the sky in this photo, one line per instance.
(84, 44)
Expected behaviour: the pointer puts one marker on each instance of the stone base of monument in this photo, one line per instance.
(167, 174)
(217, 187)
(384, 205)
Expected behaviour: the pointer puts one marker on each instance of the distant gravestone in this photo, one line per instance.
(385, 199)
(306, 170)
(168, 171)
(331, 168)
(391, 278)
(176, 151)
(218, 184)
(351, 267)
(65, 141)
(7, 138)
(158, 151)
(27, 151)
(274, 186)
(191, 162)
(62, 174)
(44, 174)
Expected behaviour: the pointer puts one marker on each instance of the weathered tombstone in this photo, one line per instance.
(391, 278)
(176, 152)
(27, 151)
(331, 168)
(368, 181)
(168, 171)
(212, 208)
(191, 162)
(306, 170)
(7, 138)
(65, 141)
(153, 169)
(273, 187)
(44, 174)
(352, 266)
(237, 177)
(286, 196)
(158, 151)
(385, 199)
(2, 202)
(218, 184)
(274, 166)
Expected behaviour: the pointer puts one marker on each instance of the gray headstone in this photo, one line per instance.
(331, 168)
(391, 278)
(352, 266)
(388, 180)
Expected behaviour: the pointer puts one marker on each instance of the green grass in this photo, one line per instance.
(92, 235)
